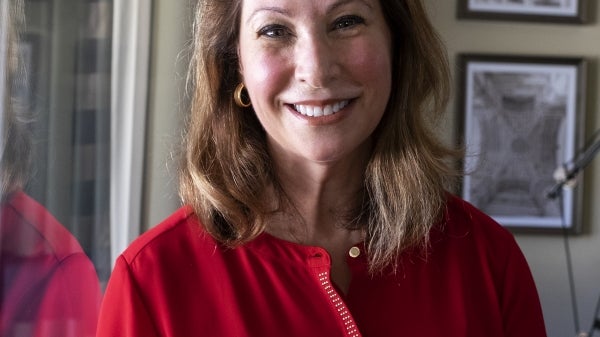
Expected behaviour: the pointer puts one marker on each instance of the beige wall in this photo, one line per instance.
(545, 253)
(171, 31)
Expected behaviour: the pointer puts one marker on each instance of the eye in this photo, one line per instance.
(273, 31)
(347, 21)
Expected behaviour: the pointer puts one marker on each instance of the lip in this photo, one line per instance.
(321, 112)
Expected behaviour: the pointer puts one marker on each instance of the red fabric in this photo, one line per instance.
(49, 287)
(176, 281)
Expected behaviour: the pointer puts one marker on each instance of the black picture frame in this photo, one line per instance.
(543, 11)
(521, 118)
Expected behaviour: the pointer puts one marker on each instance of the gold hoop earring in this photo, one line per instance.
(237, 97)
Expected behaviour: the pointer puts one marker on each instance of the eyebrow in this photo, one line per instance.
(344, 2)
(284, 12)
(278, 10)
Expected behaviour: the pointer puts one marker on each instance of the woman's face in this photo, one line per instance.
(318, 73)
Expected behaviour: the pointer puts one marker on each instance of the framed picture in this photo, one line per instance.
(557, 11)
(522, 119)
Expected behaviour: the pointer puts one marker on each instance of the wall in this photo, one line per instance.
(171, 32)
(545, 253)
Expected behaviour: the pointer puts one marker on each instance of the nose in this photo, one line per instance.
(316, 61)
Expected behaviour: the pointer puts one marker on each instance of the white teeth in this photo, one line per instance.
(318, 111)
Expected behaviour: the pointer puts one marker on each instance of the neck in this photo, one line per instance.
(320, 197)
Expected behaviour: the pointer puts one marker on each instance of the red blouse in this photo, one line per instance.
(175, 280)
(48, 286)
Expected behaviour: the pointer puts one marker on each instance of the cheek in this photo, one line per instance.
(264, 75)
(371, 62)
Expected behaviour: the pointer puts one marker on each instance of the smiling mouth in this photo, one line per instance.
(318, 111)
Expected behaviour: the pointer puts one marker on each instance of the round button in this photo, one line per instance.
(354, 252)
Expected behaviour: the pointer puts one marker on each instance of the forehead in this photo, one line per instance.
(292, 7)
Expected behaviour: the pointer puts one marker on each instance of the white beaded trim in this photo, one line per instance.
(342, 310)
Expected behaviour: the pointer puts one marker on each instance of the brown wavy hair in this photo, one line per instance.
(226, 167)
(15, 132)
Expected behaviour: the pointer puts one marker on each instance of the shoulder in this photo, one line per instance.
(468, 232)
(490, 251)
(173, 236)
(39, 232)
(462, 218)
(474, 243)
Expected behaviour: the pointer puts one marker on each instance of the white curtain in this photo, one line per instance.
(130, 59)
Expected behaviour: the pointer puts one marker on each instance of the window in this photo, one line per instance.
(73, 77)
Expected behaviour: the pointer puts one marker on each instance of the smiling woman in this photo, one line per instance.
(315, 190)
(334, 59)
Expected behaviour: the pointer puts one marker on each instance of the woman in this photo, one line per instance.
(315, 191)
(48, 286)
